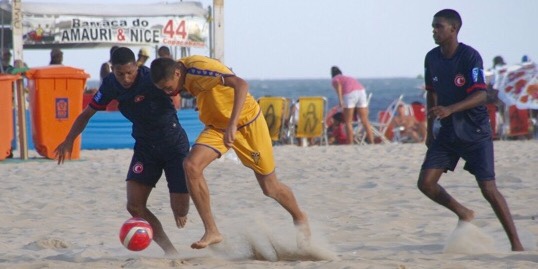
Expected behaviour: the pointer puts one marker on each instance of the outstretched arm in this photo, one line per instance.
(66, 147)
(240, 87)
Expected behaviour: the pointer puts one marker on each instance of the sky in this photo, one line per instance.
(302, 39)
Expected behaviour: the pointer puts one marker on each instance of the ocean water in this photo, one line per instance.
(111, 130)
(384, 90)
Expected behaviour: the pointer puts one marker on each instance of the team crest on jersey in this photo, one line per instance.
(478, 73)
(459, 80)
(255, 157)
(138, 168)
(139, 98)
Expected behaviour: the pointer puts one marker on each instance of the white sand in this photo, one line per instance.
(365, 209)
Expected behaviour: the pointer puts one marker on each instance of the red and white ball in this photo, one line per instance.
(136, 234)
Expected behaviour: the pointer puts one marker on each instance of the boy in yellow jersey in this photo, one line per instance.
(232, 119)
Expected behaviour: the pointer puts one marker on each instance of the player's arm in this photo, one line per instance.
(431, 101)
(477, 98)
(66, 147)
(240, 87)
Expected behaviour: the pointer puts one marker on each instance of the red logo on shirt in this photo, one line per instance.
(138, 98)
(459, 80)
(138, 168)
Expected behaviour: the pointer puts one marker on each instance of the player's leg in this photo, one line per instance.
(283, 194)
(480, 162)
(177, 182)
(428, 183)
(254, 148)
(500, 207)
(137, 197)
(195, 163)
(179, 202)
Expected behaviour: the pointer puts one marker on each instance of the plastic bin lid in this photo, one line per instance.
(9, 77)
(56, 71)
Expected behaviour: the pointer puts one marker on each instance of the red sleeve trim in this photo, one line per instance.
(428, 88)
(477, 87)
(97, 106)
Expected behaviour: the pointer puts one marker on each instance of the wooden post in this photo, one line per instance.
(16, 12)
(218, 27)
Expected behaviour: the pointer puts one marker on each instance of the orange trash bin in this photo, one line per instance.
(6, 114)
(55, 102)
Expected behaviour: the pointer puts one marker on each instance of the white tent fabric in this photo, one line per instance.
(64, 25)
(186, 8)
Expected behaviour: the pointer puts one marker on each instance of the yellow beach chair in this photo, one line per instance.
(276, 111)
(311, 122)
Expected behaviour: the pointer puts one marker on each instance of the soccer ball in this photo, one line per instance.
(136, 234)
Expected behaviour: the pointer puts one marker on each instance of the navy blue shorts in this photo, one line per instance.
(478, 157)
(149, 162)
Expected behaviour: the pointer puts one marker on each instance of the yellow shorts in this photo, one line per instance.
(252, 145)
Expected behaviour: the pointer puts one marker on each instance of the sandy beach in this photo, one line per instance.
(362, 201)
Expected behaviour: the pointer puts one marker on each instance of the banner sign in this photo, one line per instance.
(147, 31)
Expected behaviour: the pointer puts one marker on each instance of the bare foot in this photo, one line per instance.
(303, 232)
(519, 247)
(207, 239)
(181, 221)
(467, 215)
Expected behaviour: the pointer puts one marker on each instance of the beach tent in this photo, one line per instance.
(518, 85)
(27, 25)
(83, 25)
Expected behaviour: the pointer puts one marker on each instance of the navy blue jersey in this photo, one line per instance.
(150, 110)
(453, 80)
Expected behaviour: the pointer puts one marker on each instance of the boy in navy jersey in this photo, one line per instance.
(456, 96)
(161, 144)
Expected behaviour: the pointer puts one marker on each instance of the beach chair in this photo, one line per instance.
(276, 111)
(398, 133)
(311, 122)
(380, 128)
(516, 123)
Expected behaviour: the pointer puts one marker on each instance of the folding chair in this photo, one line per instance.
(276, 111)
(311, 122)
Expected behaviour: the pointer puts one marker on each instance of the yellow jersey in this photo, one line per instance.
(204, 79)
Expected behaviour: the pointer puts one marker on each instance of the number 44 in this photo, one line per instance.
(171, 30)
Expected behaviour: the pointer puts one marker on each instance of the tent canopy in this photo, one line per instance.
(47, 25)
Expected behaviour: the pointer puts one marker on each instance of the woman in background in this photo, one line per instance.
(352, 99)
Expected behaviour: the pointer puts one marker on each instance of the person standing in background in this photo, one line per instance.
(106, 67)
(164, 52)
(143, 56)
(6, 62)
(456, 95)
(352, 99)
(56, 56)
